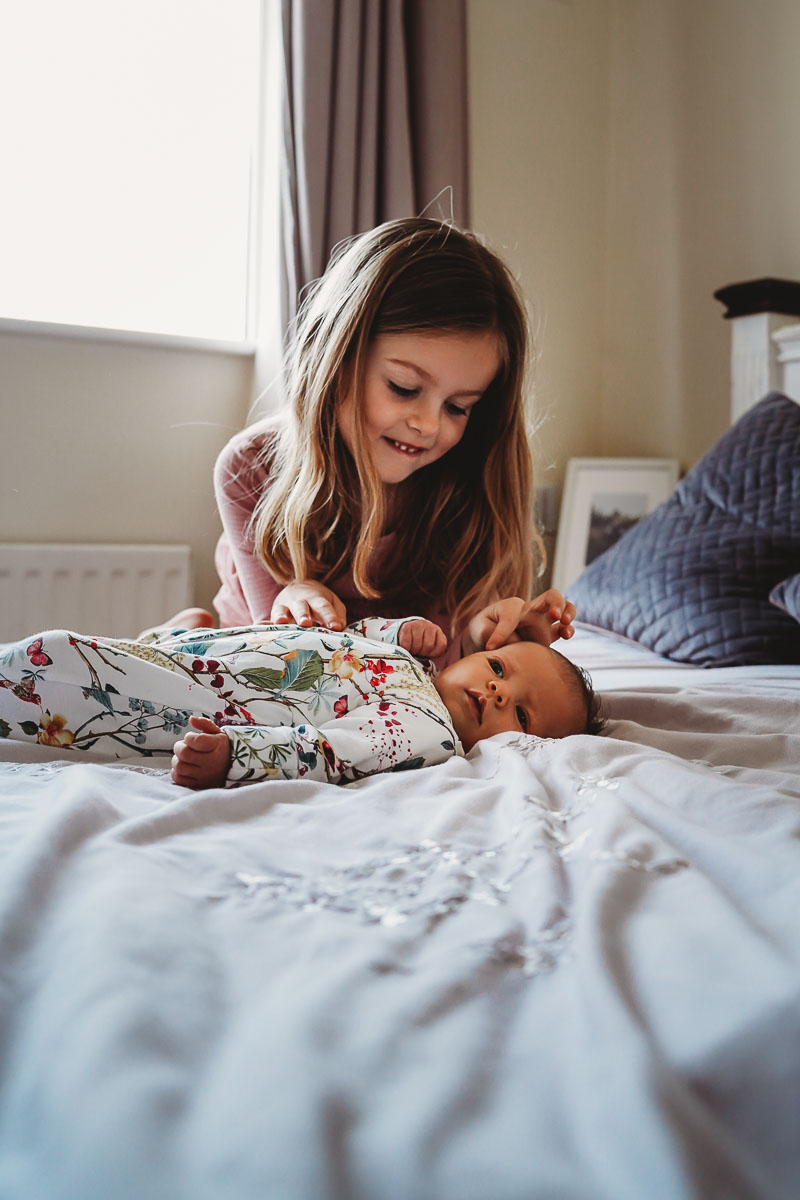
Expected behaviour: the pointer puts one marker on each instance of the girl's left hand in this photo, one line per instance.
(543, 620)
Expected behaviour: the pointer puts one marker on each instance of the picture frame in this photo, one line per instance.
(602, 499)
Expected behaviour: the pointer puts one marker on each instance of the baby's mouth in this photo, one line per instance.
(478, 704)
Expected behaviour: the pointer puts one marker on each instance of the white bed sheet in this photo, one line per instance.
(615, 662)
(554, 969)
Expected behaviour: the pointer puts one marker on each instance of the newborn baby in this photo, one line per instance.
(240, 705)
(523, 686)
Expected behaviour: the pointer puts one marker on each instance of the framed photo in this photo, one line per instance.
(603, 498)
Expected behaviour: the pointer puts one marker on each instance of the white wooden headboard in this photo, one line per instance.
(765, 340)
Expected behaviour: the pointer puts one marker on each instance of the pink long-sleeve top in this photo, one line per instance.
(247, 590)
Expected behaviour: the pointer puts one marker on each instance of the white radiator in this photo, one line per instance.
(114, 591)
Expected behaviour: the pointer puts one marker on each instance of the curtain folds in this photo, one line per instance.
(374, 111)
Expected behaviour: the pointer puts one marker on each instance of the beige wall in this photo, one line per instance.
(538, 111)
(628, 157)
(633, 156)
(106, 441)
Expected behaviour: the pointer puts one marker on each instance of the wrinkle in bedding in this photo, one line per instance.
(553, 968)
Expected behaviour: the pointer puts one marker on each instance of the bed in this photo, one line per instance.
(561, 969)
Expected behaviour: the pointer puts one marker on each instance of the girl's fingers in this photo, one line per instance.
(326, 615)
(500, 634)
(335, 611)
(308, 603)
(555, 604)
(302, 613)
(508, 614)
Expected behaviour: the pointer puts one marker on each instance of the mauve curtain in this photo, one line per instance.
(374, 123)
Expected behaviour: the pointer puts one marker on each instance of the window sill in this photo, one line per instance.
(125, 337)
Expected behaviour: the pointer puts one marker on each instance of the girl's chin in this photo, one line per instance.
(397, 465)
(396, 471)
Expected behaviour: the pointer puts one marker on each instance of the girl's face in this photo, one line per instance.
(419, 389)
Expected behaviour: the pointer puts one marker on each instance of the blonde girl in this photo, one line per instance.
(397, 478)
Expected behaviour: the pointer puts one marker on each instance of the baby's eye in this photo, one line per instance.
(496, 667)
(456, 410)
(522, 717)
(399, 390)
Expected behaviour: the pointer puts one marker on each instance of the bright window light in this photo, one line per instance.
(128, 149)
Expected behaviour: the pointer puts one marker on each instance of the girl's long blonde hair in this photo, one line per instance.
(466, 536)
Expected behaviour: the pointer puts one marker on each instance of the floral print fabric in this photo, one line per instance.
(295, 703)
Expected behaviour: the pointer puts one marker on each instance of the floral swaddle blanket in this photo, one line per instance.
(295, 703)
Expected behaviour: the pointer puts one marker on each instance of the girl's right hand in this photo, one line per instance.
(306, 603)
(544, 619)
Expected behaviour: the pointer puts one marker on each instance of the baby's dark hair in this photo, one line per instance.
(580, 682)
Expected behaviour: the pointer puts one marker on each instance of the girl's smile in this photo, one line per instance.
(419, 389)
(404, 449)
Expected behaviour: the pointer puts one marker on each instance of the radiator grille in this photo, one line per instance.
(114, 591)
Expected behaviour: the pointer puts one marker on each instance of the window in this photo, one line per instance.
(129, 160)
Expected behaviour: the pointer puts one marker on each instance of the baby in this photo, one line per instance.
(278, 701)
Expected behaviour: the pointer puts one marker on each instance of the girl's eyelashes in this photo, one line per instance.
(456, 410)
(405, 392)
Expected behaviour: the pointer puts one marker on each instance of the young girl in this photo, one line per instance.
(397, 478)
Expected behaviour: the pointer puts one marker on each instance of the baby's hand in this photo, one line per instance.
(306, 603)
(201, 759)
(423, 638)
(543, 620)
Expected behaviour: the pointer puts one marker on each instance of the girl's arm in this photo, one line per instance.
(239, 480)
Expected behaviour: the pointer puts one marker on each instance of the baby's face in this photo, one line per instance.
(522, 687)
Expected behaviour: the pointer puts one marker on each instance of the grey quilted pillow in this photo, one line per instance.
(692, 580)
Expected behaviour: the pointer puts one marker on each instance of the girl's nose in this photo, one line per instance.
(424, 418)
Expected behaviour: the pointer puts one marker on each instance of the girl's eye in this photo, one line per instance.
(405, 392)
(496, 667)
(522, 717)
(456, 410)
